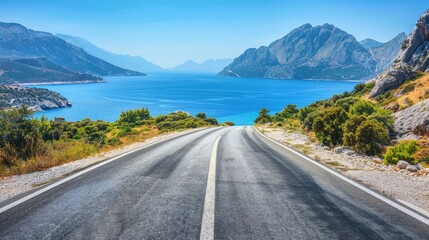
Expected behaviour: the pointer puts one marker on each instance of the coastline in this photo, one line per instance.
(59, 83)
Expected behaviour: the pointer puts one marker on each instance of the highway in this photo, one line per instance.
(247, 188)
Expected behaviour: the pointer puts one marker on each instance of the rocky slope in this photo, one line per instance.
(412, 58)
(16, 38)
(39, 70)
(414, 119)
(320, 52)
(36, 98)
(135, 63)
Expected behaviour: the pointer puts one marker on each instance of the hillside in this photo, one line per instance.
(135, 63)
(37, 99)
(384, 54)
(39, 70)
(20, 40)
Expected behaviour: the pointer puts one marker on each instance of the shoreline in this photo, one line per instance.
(59, 83)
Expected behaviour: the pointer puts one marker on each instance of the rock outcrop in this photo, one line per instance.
(414, 119)
(38, 99)
(412, 58)
(320, 52)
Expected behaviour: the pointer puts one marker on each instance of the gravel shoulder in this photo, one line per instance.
(401, 185)
(15, 185)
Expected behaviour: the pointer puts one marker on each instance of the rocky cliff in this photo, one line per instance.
(412, 58)
(22, 41)
(12, 96)
(320, 52)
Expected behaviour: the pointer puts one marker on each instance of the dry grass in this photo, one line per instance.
(417, 95)
(59, 153)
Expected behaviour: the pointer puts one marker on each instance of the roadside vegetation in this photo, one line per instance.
(351, 119)
(30, 144)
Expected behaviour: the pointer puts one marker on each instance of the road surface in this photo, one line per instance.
(256, 189)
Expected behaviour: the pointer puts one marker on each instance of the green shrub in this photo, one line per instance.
(403, 151)
(264, 116)
(369, 136)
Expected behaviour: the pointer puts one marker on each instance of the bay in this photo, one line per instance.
(228, 99)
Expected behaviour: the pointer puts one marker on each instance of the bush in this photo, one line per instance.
(403, 151)
(369, 136)
(134, 116)
(289, 111)
(328, 126)
(264, 116)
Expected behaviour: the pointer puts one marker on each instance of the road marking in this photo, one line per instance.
(417, 209)
(361, 187)
(45, 189)
(207, 225)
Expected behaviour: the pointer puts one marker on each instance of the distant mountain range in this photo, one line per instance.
(370, 43)
(17, 40)
(319, 52)
(208, 66)
(135, 63)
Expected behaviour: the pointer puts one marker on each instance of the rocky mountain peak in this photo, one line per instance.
(413, 57)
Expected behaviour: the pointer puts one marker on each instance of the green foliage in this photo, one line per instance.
(350, 128)
(328, 126)
(403, 151)
(369, 135)
(134, 116)
(228, 123)
(289, 111)
(264, 116)
(25, 139)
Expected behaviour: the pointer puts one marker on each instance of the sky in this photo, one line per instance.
(171, 32)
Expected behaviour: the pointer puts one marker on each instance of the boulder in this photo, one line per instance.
(339, 149)
(414, 119)
(412, 168)
(402, 164)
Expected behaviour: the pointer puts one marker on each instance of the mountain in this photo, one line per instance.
(39, 70)
(411, 59)
(208, 66)
(135, 63)
(16, 38)
(370, 43)
(36, 98)
(320, 52)
(385, 53)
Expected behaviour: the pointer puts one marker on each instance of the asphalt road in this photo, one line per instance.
(261, 191)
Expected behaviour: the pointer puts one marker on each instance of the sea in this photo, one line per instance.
(228, 99)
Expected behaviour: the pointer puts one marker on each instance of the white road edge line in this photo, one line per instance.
(207, 225)
(361, 187)
(45, 189)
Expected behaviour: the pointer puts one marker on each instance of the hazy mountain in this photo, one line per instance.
(39, 70)
(370, 43)
(208, 66)
(20, 40)
(386, 53)
(411, 59)
(125, 61)
(320, 52)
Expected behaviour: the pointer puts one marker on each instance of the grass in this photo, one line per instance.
(415, 91)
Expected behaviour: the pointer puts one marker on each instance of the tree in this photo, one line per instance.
(369, 135)
(201, 115)
(328, 126)
(264, 116)
(289, 111)
(350, 128)
(134, 116)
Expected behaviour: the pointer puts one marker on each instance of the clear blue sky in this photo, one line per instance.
(170, 32)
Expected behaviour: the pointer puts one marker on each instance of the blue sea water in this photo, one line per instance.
(228, 99)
